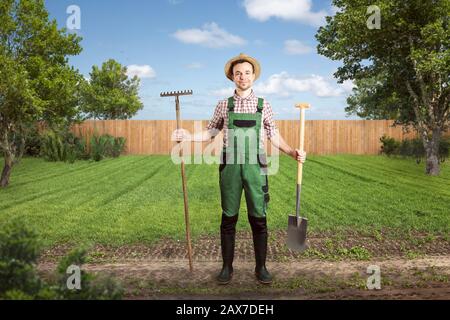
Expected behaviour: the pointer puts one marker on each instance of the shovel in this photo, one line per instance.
(297, 225)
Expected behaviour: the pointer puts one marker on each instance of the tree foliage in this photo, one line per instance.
(36, 81)
(401, 70)
(110, 93)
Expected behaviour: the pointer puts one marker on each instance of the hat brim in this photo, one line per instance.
(252, 61)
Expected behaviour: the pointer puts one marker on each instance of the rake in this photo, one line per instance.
(176, 94)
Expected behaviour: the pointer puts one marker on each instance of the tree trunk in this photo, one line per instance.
(431, 145)
(6, 173)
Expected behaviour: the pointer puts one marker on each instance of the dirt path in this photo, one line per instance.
(425, 278)
(331, 271)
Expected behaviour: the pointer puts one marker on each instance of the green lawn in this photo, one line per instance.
(136, 199)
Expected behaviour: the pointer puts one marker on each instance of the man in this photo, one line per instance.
(244, 115)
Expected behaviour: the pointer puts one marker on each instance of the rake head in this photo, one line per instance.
(176, 93)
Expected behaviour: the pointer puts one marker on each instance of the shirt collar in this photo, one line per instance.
(249, 97)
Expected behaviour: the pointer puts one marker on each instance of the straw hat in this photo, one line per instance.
(242, 56)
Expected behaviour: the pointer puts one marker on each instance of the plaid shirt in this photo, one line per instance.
(243, 105)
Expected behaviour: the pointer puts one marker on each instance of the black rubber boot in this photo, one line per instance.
(259, 230)
(227, 239)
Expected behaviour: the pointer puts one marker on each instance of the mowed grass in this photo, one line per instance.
(139, 199)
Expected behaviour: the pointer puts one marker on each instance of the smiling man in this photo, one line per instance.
(243, 162)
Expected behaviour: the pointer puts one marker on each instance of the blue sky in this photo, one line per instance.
(184, 44)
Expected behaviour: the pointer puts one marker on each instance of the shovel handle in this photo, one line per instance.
(302, 107)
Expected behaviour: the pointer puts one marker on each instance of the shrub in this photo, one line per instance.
(444, 149)
(19, 250)
(99, 147)
(92, 287)
(389, 145)
(405, 148)
(52, 147)
(418, 150)
(62, 146)
(33, 142)
(412, 148)
(106, 146)
(118, 147)
(75, 147)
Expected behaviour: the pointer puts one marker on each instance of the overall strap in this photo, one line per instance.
(231, 104)
(260, 105)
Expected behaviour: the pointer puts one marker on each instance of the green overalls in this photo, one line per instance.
(243, 164)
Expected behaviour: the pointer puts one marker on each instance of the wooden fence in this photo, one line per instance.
(321, 136)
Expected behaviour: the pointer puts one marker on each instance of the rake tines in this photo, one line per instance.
(176, 93)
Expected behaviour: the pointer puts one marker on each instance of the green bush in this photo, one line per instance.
(27, 140)
(405, 148)
(52, 147)
(118, 147)
(106, 146)
(389, 145)
(98, 146)
(61, 145)
(64, 145)
(444, 149)
(33, 142)
(418, 150)
(92, 287)
(19, 251)
(412, 148)
(75, 147)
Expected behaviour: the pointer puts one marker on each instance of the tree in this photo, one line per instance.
(36, 82)
(110, 94)
(401, 70)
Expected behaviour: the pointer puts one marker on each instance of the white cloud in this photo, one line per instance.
(296, 47)
(195, 65)
(293, 10)
(144, 71)
(284, 85)
(211, 35)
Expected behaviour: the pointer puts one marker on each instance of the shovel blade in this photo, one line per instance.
(297, 228)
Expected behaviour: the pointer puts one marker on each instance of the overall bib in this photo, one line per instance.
(243, 164)
(243, 167)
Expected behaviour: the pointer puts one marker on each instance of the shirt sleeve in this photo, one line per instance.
(269, 124)
(217, 120)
